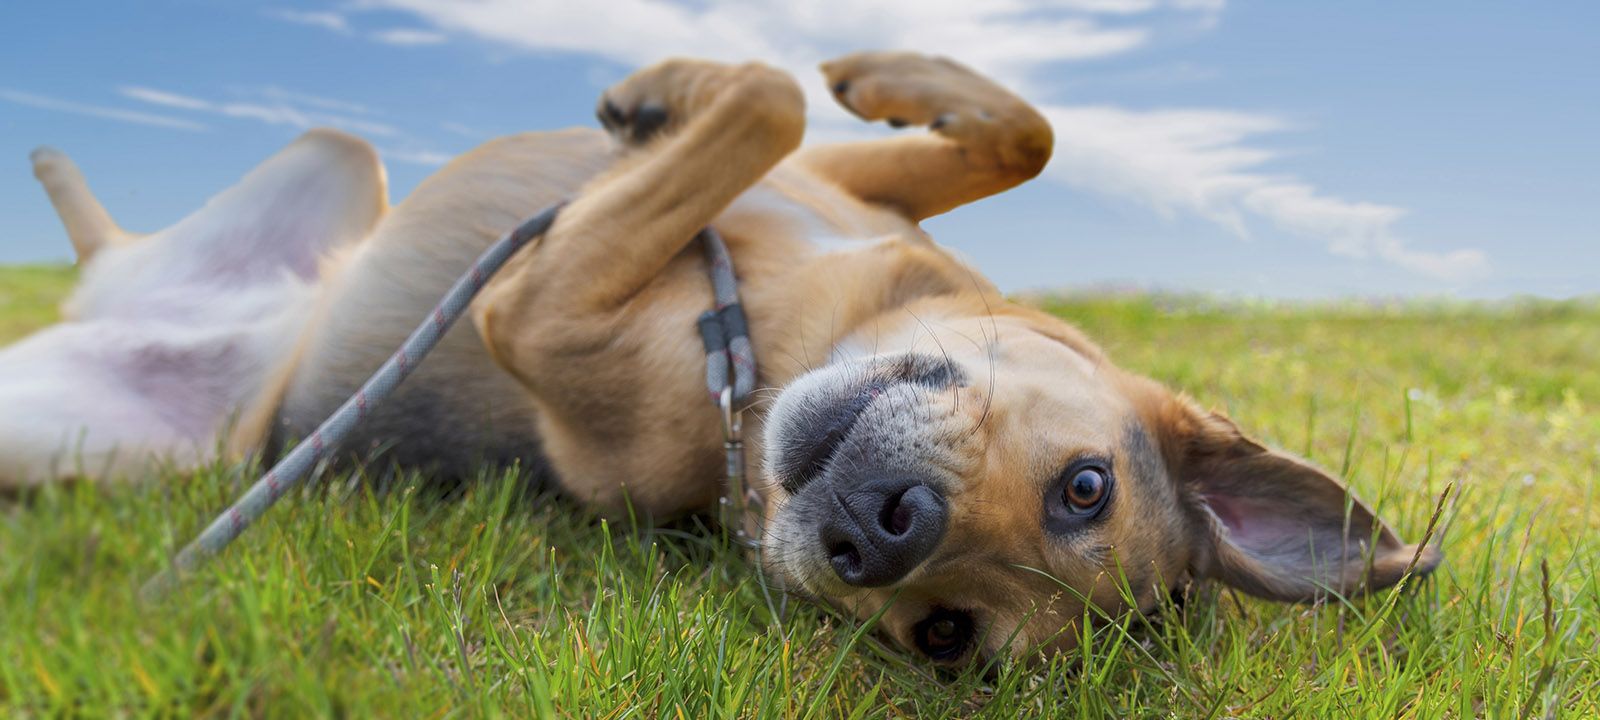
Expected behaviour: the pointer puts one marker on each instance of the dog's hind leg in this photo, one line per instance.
(89, 226)
(985, 139)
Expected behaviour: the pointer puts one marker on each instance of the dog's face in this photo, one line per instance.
(981, 481)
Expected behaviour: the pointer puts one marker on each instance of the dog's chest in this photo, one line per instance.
(796, 213)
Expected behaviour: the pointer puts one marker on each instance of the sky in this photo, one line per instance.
(1251, 148)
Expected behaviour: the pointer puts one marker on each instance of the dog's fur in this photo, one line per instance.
(883, 355)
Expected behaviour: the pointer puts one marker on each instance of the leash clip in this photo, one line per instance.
(736, 501)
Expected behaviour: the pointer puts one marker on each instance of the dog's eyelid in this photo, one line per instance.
(1085, 459)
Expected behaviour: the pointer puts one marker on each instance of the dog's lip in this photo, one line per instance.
(824, 439)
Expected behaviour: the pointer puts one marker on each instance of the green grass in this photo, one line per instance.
(350, 602)
(28, 297)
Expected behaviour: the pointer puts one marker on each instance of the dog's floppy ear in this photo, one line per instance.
(1272, 524)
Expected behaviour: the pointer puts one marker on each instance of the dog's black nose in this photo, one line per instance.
(880, 530)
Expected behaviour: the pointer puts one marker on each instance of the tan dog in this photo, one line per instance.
(979, 464)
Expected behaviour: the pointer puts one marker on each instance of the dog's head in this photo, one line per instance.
(988, 478)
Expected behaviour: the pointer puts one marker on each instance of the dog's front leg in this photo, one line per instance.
(704, 132)
(606, 351)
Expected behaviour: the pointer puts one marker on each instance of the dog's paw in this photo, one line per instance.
(904, 88)
(663, 97)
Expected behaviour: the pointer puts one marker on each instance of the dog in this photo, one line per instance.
(974, 472)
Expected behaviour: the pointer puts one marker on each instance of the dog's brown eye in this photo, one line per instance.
(1086, 489)
(945, 634)
(1079, 496)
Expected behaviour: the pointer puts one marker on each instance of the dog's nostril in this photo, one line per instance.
(877, 533)
(845, 558)
(896, 516)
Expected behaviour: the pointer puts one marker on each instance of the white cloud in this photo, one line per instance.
(463, 130)
(325, 20)
(157, 97)
(290, 109)
(408, 37)
(1002, 36)
(76, 108)
(1194, 161)
(1199, 162)
(278, 112)
(273, 92)
(427, 158)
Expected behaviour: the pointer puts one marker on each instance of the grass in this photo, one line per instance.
(28, 297)
(350, 602)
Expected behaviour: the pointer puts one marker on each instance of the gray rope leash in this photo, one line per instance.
(730, 379)
(298, 463)
(730, 360)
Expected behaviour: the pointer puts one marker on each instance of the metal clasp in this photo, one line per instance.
(735, 502)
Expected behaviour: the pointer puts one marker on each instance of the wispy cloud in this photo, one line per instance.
(1203, 162)
(300, 111)
(463, 130)
(339, 23)
(427, 158)
(278, 112)
(408, 37)
(76, 108)
(273, 92)
(325, 20)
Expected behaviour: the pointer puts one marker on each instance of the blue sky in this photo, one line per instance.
(1284, 149)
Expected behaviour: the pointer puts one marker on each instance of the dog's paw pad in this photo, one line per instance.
(656, 100)
(632, 125)
(649, 120)
(609, 115)
(905, 89)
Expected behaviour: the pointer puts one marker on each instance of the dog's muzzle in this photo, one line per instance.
(839, 448)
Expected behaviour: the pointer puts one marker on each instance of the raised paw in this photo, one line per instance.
(659, 99)
(905, 88)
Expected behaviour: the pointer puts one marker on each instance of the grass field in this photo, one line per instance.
(346, 602)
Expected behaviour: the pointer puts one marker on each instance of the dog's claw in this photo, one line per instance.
(610, 115)
(647, 120)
